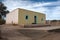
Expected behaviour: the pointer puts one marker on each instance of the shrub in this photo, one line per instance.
(2, 21)
(14, 24)
(54, 21)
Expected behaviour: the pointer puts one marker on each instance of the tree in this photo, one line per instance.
(3, 10)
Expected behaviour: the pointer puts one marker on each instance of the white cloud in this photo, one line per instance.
(52, 13)
(56, 11)
(11, 4)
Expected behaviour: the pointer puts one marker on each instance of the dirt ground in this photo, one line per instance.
(18, 33)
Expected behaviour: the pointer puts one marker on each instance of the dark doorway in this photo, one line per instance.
(35, 19)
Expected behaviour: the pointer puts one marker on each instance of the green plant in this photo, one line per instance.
(2, 21)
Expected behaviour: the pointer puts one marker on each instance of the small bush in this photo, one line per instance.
(54, 21)
(2, 21)
(14, 24)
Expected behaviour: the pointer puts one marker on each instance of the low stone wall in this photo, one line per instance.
(53, 23)
(36, 25)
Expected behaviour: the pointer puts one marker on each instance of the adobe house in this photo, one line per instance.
(23, 16)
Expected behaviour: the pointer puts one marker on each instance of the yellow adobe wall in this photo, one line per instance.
(31, 14)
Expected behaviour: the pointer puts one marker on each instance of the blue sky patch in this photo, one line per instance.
(42, 0)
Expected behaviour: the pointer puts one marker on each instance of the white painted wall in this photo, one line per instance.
(12, 17)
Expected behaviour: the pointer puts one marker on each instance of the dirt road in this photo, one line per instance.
(17, 33)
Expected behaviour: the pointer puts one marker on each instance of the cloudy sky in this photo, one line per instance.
(49, 7)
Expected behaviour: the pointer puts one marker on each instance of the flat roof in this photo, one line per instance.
(30, 10)
(26, 10)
